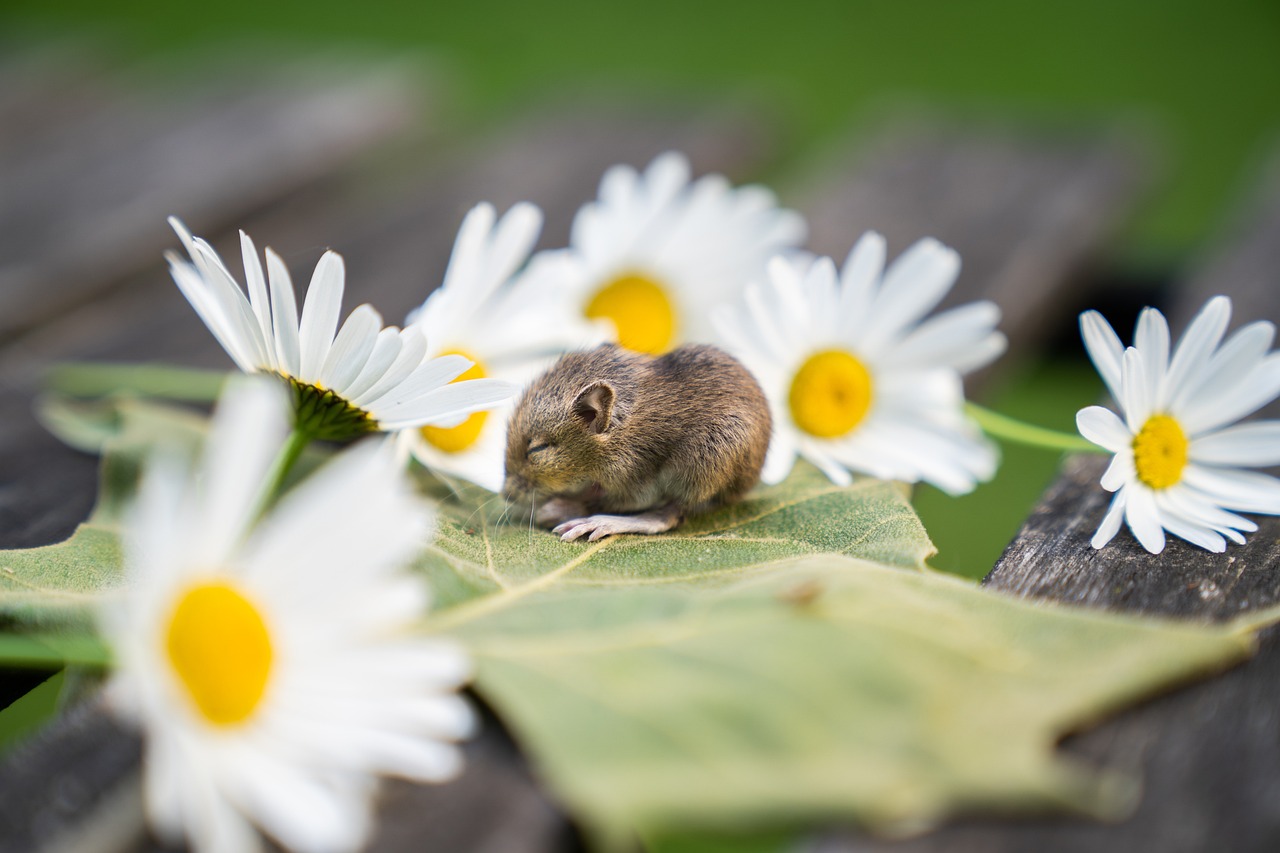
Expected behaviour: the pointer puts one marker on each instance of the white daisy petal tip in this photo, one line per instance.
(1179, 459)
(216, 646)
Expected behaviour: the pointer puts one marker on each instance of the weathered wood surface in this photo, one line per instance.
(395, 224)
(1029, 213)
(83, 190)
(1209, 755)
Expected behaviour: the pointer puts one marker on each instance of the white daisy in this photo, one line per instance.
(270, 666)
(1178, 451)
(509, 330)
(654, 253)
(364, 379)
(857, 379)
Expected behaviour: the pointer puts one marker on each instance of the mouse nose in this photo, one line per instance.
(514, 487)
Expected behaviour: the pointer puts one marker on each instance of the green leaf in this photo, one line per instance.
(821, 687)
(784, 660)
(480, 564)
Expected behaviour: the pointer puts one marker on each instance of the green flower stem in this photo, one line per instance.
(53, 651)
(280, 468)
(89, 379)
(1006, 428)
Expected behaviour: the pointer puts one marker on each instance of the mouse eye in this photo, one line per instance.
(535, 448)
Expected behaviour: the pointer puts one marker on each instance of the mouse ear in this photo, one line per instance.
(594, 405)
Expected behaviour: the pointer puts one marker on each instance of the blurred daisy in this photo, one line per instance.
(270, 667)
(365, 379)
(654, 253)
(1178, 451)
(858, 380)
(507, 329)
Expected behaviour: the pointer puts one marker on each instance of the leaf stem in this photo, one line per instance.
(1011, 430)
(92, 379)
(53, 651)
(280, 468)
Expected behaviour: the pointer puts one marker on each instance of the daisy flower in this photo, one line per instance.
(654, 252)
(366, 378)
(486, 313)
(270, 666)
(1178, 449)
(857, 379)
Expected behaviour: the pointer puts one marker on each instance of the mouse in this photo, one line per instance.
(611, 441)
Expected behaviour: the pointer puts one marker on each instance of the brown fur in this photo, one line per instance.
(687, 430)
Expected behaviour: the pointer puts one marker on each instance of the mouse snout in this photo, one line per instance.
(516, 488)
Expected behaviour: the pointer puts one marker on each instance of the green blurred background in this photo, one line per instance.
(1204, 75)
(1200, 79)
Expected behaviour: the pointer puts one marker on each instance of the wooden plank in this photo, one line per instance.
(1209, 755)
(1029, 212)
(81, 190)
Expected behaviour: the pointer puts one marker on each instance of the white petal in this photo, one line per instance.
(1152, 340)
(457, 398)
(351, 349)
(1105, 350)
(912, 286)
(1196, 534)
(320, 315)
(1136, 389)
(1198, 343)
(386, 348)
(247, 432)
(1236, 358)
(963, 339)
(1110, 522)
(194, 288)
(1234, 400)
(832, 469)
(413, 346)
(858, 280)
(1119, 473)
(1252, 445)
(295, 808)
(318, 524)
(1245, 491)
(259, 298)
(780, 459)
(1143, 518)
(427, 377)
(1192, 504)
(284, 315)
(1103, 428)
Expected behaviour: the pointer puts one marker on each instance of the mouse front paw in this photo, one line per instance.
(599, 526)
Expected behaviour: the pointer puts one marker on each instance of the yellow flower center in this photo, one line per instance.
(458, 438)
(219, 645)
(1160, 452)
(640, 309)
(830, 394)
